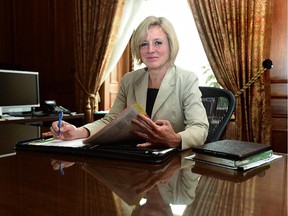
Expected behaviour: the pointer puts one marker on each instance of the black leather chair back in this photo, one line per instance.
(219, 105)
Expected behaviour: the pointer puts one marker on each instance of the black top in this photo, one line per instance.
(151, 97)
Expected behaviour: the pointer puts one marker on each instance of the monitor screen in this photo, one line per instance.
(19, 91)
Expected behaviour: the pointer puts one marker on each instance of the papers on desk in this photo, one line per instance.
(234, 154)
(57, 143)
(261, 162)
(244, 167)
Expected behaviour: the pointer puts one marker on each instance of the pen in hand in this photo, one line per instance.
(60, 122)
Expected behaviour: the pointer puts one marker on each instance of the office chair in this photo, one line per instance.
(219, 105)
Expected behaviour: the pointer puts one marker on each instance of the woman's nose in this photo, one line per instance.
(151, 48)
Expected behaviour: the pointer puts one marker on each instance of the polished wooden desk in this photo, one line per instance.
(31, 184)
(77, 119)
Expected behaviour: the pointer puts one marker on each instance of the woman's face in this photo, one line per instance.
(154, 50)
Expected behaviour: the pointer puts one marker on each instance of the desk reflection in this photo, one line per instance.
(146, 189)
(93, 186)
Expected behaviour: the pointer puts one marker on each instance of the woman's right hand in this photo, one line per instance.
(68, 131)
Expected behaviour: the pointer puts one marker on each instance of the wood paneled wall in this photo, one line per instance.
(38, 35)
(278, 74)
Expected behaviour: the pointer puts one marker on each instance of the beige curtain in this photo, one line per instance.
(131, 12)
(236, 36)
(96, 24)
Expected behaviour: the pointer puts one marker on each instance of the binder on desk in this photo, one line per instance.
(232, 154)
(112, 141)
(231, 149)
(120, 150)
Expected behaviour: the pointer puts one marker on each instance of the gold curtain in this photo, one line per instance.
(236, 36)
(96, 24)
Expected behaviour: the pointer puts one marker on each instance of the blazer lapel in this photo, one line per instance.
(165, 90)
(141, 86)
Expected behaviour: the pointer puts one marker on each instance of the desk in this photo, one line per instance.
(93, 186)
(77, 119)
(10, 134)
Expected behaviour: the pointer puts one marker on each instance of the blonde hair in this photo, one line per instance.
(141, 32)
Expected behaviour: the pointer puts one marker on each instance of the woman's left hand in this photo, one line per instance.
(159, 133)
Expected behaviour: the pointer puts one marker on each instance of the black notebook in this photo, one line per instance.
(120, 150)
(231, 149)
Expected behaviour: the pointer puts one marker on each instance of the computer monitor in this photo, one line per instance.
(19, 91)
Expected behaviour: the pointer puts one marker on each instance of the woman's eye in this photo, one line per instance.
(144, 45)
(154, 44)
(157, 43)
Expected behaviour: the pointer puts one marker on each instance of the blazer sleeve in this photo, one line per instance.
(118, 106)
(195, 117)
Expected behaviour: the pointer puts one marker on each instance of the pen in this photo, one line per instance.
(60, 122)
(60, 168)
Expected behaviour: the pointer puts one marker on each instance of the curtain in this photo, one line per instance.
(96, 24)
(127, 26)
(236, 36)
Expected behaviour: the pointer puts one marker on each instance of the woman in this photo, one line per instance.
(170, 94)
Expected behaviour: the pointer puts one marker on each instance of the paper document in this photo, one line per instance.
(244, 167)
(259, 163)
(119, 129)
(58, 143)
